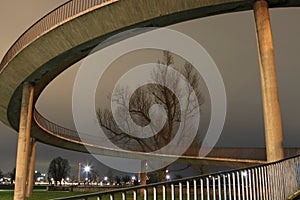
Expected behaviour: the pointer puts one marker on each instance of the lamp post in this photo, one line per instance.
(87, 169)
(79, 172)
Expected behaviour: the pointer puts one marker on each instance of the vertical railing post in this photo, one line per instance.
(172, 192)
(238, 185)
(219, 187)
(265, 182)
(271, 108)
(272, 182)
(243, 185)
(188, 195)
(247, 185)
(195, 189)
(164, 192)
(260, 183)
(154, 193)
(214, 189)
(234, 186)
(123, 195)
(255, 188)
(250, 184)
(201, 189)
(180, 191)
(145, 194)
(134, 195)
(229, 186)
(207, 189)
(111, 197)
(224, 187)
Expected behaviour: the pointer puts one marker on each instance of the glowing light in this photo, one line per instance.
(87, 168)
(168, 177)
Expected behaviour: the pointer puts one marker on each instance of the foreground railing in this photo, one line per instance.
(65, 12)
(273, 181)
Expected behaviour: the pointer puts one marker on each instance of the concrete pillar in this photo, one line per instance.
(23, 142)
(31, 170)
(271, 108)
(143, 175)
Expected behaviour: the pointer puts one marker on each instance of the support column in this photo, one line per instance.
(23, 142)
(271, 108)
(143, 175)
(31, 170)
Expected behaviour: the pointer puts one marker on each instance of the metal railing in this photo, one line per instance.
(63, 13)
(273, 181)
(56, 130)
(66, 133)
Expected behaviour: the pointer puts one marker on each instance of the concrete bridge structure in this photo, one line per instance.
(68, 33)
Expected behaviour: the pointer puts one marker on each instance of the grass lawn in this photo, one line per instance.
(39, 195)
(43, 195)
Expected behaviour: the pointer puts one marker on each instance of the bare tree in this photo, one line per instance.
(12, 175)
(146, 96)
(59, 168)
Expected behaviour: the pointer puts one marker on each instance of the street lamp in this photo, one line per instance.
(168, 177)
(87, 169)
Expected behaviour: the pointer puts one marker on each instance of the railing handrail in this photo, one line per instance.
(63, 131)
(261, 169)
(54, 18)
